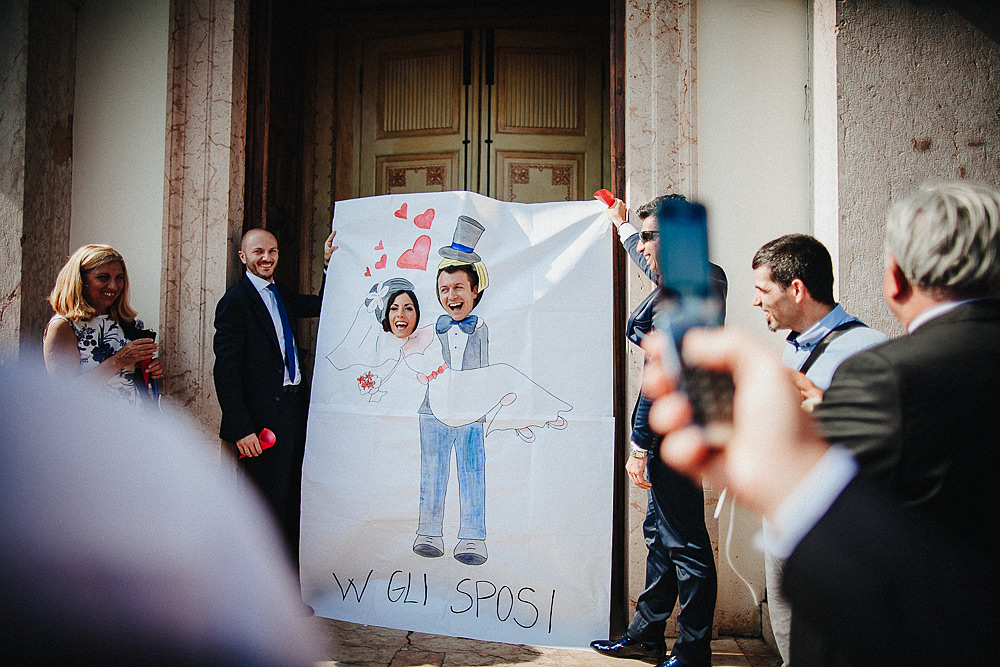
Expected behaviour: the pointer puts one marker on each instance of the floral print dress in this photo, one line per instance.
(97, 339)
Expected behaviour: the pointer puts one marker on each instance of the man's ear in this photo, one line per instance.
(799, 291)
(895, 285)
(243, 258)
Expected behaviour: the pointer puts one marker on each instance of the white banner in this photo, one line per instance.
(458, 473)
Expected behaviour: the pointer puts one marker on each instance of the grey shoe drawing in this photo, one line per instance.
(428, 547)
(471, 552)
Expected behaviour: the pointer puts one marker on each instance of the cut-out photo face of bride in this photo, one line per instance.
(402, 313)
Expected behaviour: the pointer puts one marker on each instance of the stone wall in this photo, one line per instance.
(13, 96)
(36, 107)
(919, 98)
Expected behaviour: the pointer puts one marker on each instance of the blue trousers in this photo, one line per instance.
(436, 444)
(680, 565)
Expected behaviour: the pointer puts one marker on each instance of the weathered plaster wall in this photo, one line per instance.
(13, 99)
(919, 99)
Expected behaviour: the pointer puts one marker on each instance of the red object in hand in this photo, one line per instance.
(144, 367)
(266, 438)
(605, 197)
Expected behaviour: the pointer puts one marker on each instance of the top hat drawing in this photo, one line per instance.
(463, 244)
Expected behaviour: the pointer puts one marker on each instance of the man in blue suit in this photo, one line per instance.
(680, 563)
(258, 377)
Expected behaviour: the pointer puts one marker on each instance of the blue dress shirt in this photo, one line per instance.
(800, 345)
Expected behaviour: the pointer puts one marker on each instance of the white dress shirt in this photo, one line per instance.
(271, 303)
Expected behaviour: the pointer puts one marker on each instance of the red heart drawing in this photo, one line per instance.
(381, 263)
(368, 272)
(423, 221)
(401, 213)
(417, 257)
(380, 246)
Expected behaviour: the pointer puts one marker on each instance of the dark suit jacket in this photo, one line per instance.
(882, 589)
(249, 368)
(920, 414)
(640, 323)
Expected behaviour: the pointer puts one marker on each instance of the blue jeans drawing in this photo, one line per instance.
(436, 444)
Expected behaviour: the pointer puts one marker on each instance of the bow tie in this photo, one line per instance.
(468, 325)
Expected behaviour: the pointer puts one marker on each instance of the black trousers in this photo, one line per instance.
(277, 472)
(680, 565)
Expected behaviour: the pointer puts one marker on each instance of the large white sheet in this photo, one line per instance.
(548, 511)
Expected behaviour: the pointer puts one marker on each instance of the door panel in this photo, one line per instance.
(418, 93)
(428, 172)
(537, 177)
(546, 108)
(414, 119)
(514, 115)
(540, 91)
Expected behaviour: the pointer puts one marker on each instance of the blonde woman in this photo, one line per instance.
(94, 332)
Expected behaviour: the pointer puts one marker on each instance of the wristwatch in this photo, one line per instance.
(640, 453)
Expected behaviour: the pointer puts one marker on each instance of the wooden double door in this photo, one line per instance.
(515, 115)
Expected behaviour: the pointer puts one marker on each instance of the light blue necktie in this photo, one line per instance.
(287, 329)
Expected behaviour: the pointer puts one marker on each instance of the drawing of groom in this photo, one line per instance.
(461, 280)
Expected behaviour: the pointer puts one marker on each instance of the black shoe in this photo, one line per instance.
(672, 661)
(626, 647)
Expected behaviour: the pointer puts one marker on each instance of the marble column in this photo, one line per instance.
(38, 47)
(660, 157)
(203, 204)
(13, 100)
(660, 138)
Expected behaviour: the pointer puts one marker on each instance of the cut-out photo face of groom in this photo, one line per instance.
(461, 276)
(458, 290)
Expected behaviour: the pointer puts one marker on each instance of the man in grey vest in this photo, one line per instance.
(793, 285)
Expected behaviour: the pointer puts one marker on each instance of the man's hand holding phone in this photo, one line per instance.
(773, 443)
(688, 300)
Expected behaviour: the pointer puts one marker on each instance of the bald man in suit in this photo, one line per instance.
(258, 377)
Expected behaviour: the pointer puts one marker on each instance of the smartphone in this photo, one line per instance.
(688, 298)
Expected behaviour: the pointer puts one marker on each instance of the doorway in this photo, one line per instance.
(511, 114)
(508, 98)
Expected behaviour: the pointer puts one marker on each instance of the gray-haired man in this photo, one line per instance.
(918, 412)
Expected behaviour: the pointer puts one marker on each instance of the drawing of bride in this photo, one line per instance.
(384, 332)
(385, 338)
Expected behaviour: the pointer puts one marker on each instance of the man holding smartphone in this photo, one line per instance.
(680, 563)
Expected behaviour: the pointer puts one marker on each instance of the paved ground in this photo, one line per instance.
(369, 646)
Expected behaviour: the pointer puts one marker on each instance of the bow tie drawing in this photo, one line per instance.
(468, 325)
